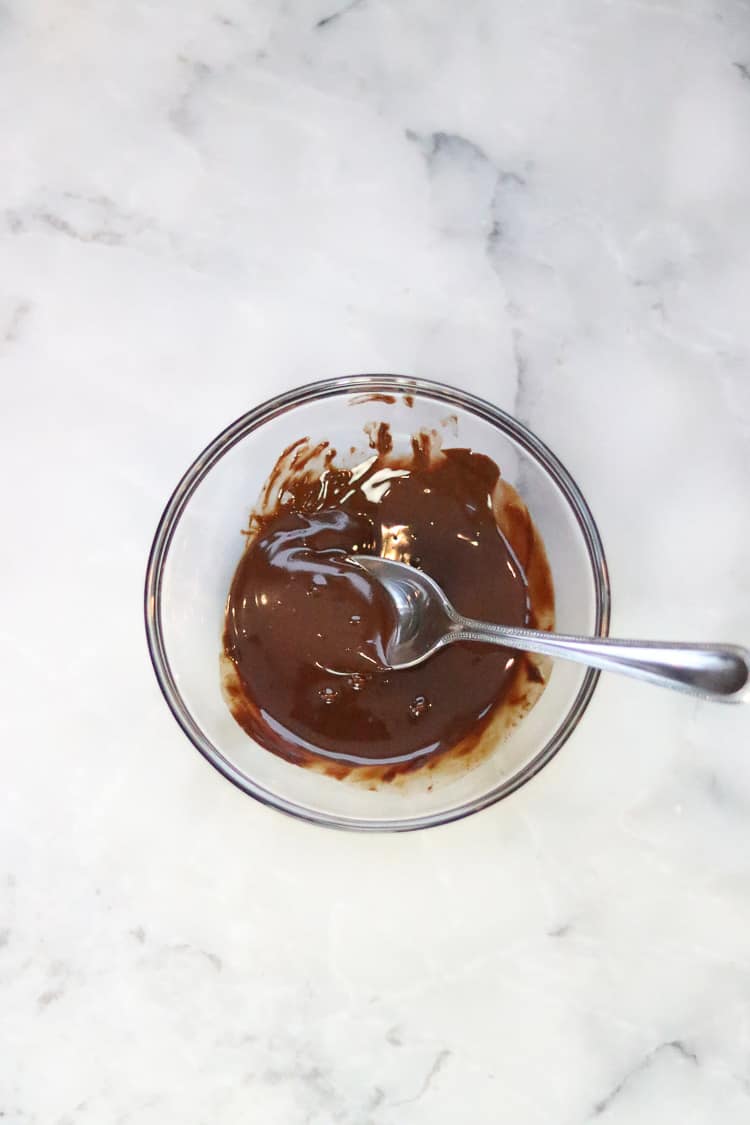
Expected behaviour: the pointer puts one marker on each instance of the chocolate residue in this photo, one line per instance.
(379, 437)
(306, 629)
(358, 400)
(425, 447)
(389, 400)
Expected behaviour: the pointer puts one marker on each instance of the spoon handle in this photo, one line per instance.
(713, 671)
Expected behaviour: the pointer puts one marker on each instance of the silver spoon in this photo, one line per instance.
(426, 622)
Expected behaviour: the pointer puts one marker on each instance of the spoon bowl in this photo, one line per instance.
(424, 620)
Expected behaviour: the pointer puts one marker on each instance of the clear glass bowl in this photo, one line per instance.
(198, 543)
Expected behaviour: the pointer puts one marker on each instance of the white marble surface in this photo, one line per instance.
(205, 201)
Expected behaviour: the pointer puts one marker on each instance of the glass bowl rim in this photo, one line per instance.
(274, 407)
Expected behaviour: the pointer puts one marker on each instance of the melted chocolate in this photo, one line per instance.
(305, 630)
